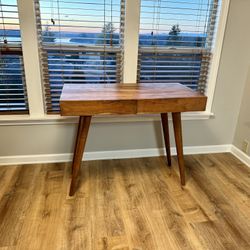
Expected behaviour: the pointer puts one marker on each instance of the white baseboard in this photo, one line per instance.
(116, 154)
(240, 155)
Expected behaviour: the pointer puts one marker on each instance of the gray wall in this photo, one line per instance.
(58, 138)
(243, 127)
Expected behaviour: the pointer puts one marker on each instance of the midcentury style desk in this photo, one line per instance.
(87, 100)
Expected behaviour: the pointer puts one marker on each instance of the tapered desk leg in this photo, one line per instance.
(83, 128)
(80, 127)
(165, 128)
(179, 144)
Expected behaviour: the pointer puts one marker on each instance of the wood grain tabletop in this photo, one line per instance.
(93, 99)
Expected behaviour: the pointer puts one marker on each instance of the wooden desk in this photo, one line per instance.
(86, 100)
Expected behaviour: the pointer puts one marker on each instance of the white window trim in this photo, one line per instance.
(33, 71)
(131, 40)
(57, 119)
(215, 63)
(27, 20)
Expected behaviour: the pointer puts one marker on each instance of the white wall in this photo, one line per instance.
(243, 127)
(58, 138)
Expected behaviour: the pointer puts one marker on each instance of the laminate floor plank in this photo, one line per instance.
(7, 176)
(234, 166)
(238, 203)
(14, 204)
(133, 202)
(226, 210)
(130, 204)
(237, 191)
(166, 206)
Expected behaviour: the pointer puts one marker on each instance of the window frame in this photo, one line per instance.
(29, 35)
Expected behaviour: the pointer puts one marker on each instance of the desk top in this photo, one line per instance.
(111, 92)
(92, 99)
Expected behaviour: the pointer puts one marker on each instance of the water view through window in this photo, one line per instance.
(175, 42)
(81, 41)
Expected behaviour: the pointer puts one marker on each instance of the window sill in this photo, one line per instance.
(13, 120)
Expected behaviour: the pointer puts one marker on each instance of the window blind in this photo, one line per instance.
(176, 41)
(13, 96)
(80, 42)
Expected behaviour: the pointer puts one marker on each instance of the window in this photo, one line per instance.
(13, 97)
(176, 40)
(80, 42)
(97, 41)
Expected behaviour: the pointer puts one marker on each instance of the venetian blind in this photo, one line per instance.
(13, 96)
(80, 42)
(176, 41)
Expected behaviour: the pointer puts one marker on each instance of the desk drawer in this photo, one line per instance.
(81, 108)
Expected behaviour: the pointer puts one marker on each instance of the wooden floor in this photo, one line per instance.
(127, 204)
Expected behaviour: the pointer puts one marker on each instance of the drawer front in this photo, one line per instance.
(81, 108)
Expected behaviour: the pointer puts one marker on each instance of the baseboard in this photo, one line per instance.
(116, 154)
(240, 155)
